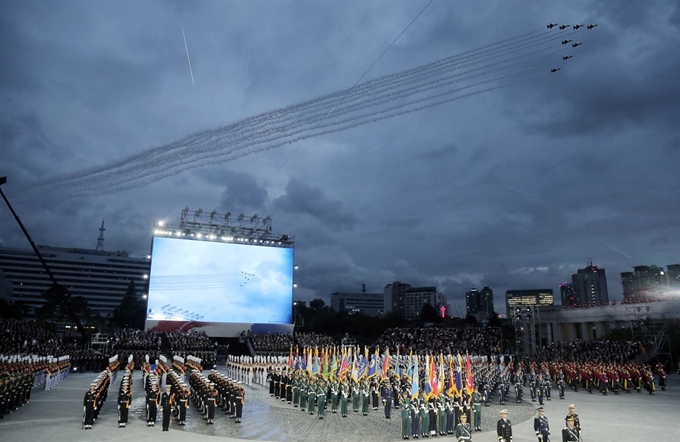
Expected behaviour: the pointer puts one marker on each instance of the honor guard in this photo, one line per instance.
(124, 399)
(477, 410)
(405, 417)
(89, 405)
(167, 399)
(504, 427)
(541, 427)
(183, 404)
(152, 399)
(239, 399)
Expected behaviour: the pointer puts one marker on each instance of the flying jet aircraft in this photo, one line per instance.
(567, 57)
(565, 42)
(577, 26)
(576, 45)
(563, 27)
(553, 70)
(590, 26)
(552, 25)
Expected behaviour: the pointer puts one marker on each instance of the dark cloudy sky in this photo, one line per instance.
(513, 188)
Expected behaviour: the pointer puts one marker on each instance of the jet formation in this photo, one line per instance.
(576, 27)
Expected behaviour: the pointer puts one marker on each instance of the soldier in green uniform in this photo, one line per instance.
(477, 409)
(311, 395)
(441, 416)
(405, 417)
(365, 397)
(463, 430)
(302, 392)
(334, 397)
(321, 399)
(570, 433)
(355, 397)
(344, 393)
(425, 418)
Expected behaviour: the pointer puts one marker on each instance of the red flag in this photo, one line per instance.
(469, 381)
(386, 365)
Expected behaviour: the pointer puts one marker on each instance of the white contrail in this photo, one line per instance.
(186, 48)
(376, 147)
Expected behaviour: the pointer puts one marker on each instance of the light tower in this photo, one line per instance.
(100, 240)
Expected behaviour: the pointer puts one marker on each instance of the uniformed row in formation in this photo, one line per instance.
(17, 378)
(96, 397)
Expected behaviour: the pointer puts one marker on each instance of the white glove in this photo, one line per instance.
(84, 408)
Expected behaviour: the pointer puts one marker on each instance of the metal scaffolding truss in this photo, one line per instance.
(648, 330)
(252, 229)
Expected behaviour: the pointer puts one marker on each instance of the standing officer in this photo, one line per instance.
(240, 397)
(152, 405)
(183, 404)
(561, 383)
(570, 433)
(504, 427)
(541, 426)
(320, 399)
(344, 393)
(463, 430)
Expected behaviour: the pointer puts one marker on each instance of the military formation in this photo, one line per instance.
(18, 376)
(96, 396)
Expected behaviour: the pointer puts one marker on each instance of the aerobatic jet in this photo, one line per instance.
(576, 45)
(566, 42)
(567, 57)
(577, 26)
(553, 70)
(590, 26)
(552, 25)
(563, 27)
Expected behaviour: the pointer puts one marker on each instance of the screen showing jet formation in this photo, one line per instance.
(213, 281)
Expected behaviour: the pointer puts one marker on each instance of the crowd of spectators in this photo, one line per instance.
(17, 337)
(476, 341)
(131, 339)
(303, 340)
(596, 351)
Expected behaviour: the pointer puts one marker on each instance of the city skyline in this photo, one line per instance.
(511, 188)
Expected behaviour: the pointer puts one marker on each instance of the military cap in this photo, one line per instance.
(572, 406)
(570, 419)
(504, 411)
(540, 409)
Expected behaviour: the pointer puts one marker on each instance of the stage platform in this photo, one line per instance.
(56, 415)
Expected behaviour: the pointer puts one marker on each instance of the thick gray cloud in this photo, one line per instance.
(514, 188)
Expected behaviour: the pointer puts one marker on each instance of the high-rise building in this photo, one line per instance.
(674, 276)
(479, 303)
(102, 278)
(371, 304)
(644, 284)
(590, 285)
(516, 299)
(568, 294)
(486, 306)
(409, 301)
(472, 302)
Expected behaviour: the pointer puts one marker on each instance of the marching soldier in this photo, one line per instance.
(570, 433)
(424, 418)
(320, 400)
(124, 399)
(663, 381)
(302, 391)
(504, 427)
(463, 430)
(365, 397)
(344, 393)
(334, 397)
(311, 396)
(211, 403)
(415, 419)
(387, 397)
(561, 383)
(541, 426)
(355, 397)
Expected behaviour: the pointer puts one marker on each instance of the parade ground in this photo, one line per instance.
(56, 416)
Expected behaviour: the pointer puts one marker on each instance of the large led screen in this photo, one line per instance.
(213, 281)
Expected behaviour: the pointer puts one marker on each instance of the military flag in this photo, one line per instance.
(334, 366)
(315, 366)
(397, 367)
(344, 365)
(373, 365)
(415, 387)
(290, 358)
(303, 360)
(427, 389)
(386, 365)
(469, 380)
(355, 367)
(324, 359)
(452, 383)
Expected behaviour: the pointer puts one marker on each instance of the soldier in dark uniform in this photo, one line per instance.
(415, 418)
(152, 398)
(570, 433)
(387, 397)
(270, 378)
(463, 430)
(541, 426)
(183, 404)
(239, 399)
(320, 399)
(561, 382)
(124, 399)
(89, 404)
(211, 402)
(432, 415)
(504, 427)
(302, 392)
(167, 399)
(311, 396)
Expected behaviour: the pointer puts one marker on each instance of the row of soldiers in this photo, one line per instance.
(15, 389)
(125, 396)
(217, 391)
(96, 397)
(155, 400)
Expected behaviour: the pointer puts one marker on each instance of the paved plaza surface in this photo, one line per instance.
(56, 416)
